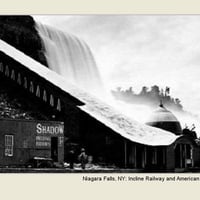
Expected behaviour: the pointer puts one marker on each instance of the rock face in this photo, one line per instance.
(20, 32)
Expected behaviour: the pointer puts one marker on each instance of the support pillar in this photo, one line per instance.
(125, 153)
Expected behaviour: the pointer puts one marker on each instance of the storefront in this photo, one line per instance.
(22, 140)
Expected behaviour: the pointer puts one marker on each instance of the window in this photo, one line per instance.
(58, 105)
(51, 100)
(13, 75)
(45, 96)
(31, 87)
(7, 71)
(38, 91)
(25, 82)
(1, 67)
(19, 79)
(9, 145)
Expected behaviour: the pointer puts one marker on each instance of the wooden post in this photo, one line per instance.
(185, 155)
(144, 158)
(191, 155)
(135, 155)
(181, 157)
(164, 156)
(125, 153)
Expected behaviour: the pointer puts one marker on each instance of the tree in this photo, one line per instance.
(161, 92)
(155, 90)
(167, 91)
(130, 90)
(177, 101)
(119, 89)
(144, 90)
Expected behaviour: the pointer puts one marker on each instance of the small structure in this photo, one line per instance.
(23, 140)
(184, 152)
(166, 120)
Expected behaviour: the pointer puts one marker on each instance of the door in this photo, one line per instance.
(54, 149)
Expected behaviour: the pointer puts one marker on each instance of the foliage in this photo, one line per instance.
(150, 97)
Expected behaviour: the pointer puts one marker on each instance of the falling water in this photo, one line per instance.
(70, 57)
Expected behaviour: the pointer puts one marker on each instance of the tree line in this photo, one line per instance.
(148, 96)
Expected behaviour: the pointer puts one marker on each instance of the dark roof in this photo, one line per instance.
(165, 119)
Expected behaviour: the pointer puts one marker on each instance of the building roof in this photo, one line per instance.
(124, 126)
(166, 120)
(161, 114)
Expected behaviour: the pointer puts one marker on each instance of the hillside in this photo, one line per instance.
(18, 105)
(20, 32)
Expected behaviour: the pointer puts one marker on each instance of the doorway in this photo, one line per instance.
(54, 149)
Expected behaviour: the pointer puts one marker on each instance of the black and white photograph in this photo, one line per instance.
(99, 93)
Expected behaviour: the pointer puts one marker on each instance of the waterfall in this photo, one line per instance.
(70, 57)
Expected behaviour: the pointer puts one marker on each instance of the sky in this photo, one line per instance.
(142, 50)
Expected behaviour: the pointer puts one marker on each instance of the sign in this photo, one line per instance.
(49, 129)
(43, 141)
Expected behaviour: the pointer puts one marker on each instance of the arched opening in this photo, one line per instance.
(51, 100)
(13, 75)
(31, 87)
(38, 91)
(19, 79)
(183, 156)
(58, 105)
(7, 72)
(1, 67)
(25, 83)
(44, 96)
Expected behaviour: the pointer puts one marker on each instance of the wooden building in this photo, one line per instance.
(22, 140)
(107, 135)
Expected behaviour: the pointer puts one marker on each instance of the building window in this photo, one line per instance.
(25, 83)
(58, 105)
(51, 100)
(31, 87)
(9, 142)
(38, 91)
(7, 72)
(45, 96)
(19, 79)
(1, 67)
(13, 75)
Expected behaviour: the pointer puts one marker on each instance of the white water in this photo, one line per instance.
(70, 57)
